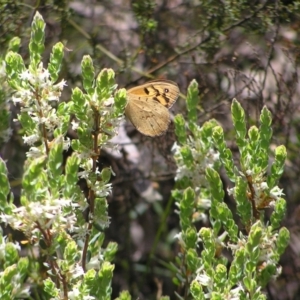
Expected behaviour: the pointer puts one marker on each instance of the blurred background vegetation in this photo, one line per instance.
(242, 49)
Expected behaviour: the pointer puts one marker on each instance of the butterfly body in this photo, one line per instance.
(148, 104)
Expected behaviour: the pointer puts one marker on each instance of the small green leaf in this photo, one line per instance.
(55, 158)
(187, 156)
(88, 73)
(106, 175)
(196, 290)
(216, 186)
(278, 213)
(238, 117)
(278, 166)
(192, 260)
(11, 255)
(282, 240)
(225, 154)
(56, 57)
(4, 185)
(180, 129)
(121, 100)
(14, 66)
(105, 84)
(190, 238)
(36, 44)
(124, 295)
(14, 44)
(50, 288)
(244, 208)
(220, 276)
(192, 101)
(110, 251)
(33, 177)
(71, 254)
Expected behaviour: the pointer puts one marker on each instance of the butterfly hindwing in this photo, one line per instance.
(148, 104)
(149, 117)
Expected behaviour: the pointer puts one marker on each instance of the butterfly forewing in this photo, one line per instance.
(163, 91)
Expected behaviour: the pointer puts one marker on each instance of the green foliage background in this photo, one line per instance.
(247, 50)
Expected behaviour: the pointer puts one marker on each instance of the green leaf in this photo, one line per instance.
(196, 290)
(23, 266)
(180, 129)
(36, 44)
(124, 295)
(55, 160)
(56, 57)
(278, 166)
(192, 260)
(216, 186)
(106, 175)
(14, 44)
(278, 213)
(244, 208)
(186, 207)
(238, 117)
(88, 73)
(102, 288)
(105, 84)
(79, 104)
(11, 255)
(187, 156)
(120, 100)
(266, 275)
(254, 137)
(220, 277)
(50, 288)
(71, 176)
(110, 251)
(236, 271)
(225, 153)
(71, 254)
(4, 185)
(63, 112)
(190, 238)
(33, 179)
(265, 128)
(282, 240)
(192, 100)
(14, 66)
(28, 123)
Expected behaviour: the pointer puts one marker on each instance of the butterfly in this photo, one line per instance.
(148, 104)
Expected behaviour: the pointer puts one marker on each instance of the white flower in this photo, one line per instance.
(16, 99)
(30, 140)
(74, 124)
(276, 192)
(235, 293)
(60, 85)
(34, 152)
(203, 279)
(73, 295)
(249, 172)
(66, 143)
(77, 271)
(26, 75)
(264, 186)
(84, 174)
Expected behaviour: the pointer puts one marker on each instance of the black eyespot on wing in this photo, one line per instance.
(146, 90)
